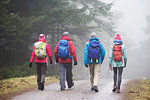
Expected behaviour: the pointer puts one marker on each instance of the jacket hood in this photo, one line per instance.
(42, 40)
(94, 39)
(65, 38)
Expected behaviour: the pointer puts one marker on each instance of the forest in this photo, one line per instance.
(23, 20)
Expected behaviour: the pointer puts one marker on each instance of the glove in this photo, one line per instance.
(110, 67)
(56, 60)
(30, 65)
(75, 63)
(50, 62)
(86, 66)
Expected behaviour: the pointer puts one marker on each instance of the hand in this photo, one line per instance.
(56, 60)
(30, 65)
(50, 62)
(110, 67)
(75, 63)
(86, 66)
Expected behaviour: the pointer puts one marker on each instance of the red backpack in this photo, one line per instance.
(117, 52)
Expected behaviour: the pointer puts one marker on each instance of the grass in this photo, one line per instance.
(138, 90)
(13, 86)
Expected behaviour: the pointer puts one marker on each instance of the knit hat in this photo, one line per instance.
(117, 37)
(41, 36)
(93, 34)
(66, 34)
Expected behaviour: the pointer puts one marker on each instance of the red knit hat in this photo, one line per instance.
(117, 37)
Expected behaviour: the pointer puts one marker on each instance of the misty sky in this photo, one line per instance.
(133, 18)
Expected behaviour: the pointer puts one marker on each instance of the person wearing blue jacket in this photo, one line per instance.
(94, 54)
(115, 64)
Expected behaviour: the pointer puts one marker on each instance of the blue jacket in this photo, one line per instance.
(124, 57)
(86, 58)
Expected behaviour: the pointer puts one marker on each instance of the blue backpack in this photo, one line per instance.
(94, 51)
(63, 51)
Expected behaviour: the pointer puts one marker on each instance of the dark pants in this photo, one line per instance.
(41, 70)
(65, 67)
(120, 70)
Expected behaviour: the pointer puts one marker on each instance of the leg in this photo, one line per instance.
(115, 78)
(62, 75)
(38, 66)
(43, 71)
(120, 69)
(96, 74)
(91, 67)
(69, 75)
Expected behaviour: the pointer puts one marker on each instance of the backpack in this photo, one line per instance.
(40, 50)
(117, 53)
(94, 51)
(63, 47)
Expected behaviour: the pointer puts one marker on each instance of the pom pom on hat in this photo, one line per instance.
(117, 37)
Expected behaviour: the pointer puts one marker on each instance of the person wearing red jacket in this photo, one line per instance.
(41, 64)
(65, 64)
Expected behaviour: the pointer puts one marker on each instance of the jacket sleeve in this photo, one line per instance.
(33, 55)
(103, 52)
(48, 51)
(124, 55)
(73, 53)
(110, 55)
(86, 54)
(56, 51)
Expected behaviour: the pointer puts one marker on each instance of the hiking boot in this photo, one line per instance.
(92, 88)
(95, 88)
(39, 88)
(62, 89)
(71, 85)
(114, 88)
(42, 86)
(118, 90)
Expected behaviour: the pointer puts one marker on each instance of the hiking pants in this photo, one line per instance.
(94, 73)
(41, 70)
(65, 67)
(120, 70)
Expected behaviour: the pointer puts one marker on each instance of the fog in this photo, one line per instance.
(131, 19)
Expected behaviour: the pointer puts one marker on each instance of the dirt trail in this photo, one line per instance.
(81, 91)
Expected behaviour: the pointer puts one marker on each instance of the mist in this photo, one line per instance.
(132, 19)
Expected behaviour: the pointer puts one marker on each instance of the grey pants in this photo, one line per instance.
(65, 67)
(120, 70)
(41, 70)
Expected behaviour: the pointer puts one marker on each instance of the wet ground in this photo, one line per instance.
(80, 91)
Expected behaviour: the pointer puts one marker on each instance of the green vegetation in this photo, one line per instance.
(138, 90)
(13, 86)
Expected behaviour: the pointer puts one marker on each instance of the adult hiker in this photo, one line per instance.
(117, 61)
(40, 52)
(94, 54)
(64, 52)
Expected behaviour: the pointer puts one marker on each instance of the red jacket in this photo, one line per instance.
(45, 60)
(71, 51)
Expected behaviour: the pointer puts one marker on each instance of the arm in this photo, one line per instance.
(124, 55)
(86, 54)
(73, 53)
(56, 52)
(110, 55)
(103, 52)
(48, 51)
(33, 55)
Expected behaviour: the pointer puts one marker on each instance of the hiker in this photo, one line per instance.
(41, 51)
(64, 53)
(117, 61)
(94, 54)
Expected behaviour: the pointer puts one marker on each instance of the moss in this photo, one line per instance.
(16, 85)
